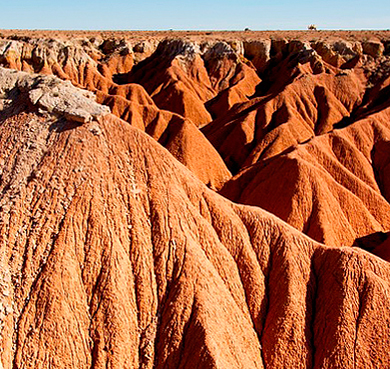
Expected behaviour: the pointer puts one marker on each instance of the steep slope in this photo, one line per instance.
(115, 255)
(303, 96)
(176, 79)
(182, 76)
(94, 66)
(180, 136)
(334, 188)
(306, 88)
(231, 75)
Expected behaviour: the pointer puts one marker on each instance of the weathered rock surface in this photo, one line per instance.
(51, 95)
(333, 188)
(114, 254)
(183, 76)
(93, 66)
(179, 135)
(266, 126)
(307, 87)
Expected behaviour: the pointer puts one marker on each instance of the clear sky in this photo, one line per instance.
(192, 15)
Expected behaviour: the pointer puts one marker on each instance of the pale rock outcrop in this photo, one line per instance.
(373, 48)
(258, 52)
(52, 95)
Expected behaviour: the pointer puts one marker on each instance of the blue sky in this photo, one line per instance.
(190, 15)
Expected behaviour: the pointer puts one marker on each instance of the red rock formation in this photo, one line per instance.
(295, 109)
(307, 91)
(234, 79)
(131, 102)
(309, 87)
(114, 254)
(176, 79)
(178, 135)
(182, 76)
(333, 188)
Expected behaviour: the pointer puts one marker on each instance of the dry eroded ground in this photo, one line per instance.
(205, 35)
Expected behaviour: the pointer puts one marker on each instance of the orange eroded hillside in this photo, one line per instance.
(120, 244)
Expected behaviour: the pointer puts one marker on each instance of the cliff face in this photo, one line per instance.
(115, 254)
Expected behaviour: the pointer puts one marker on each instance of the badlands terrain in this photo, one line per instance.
(194, 199)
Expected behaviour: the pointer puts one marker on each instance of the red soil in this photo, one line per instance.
(115, 254)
